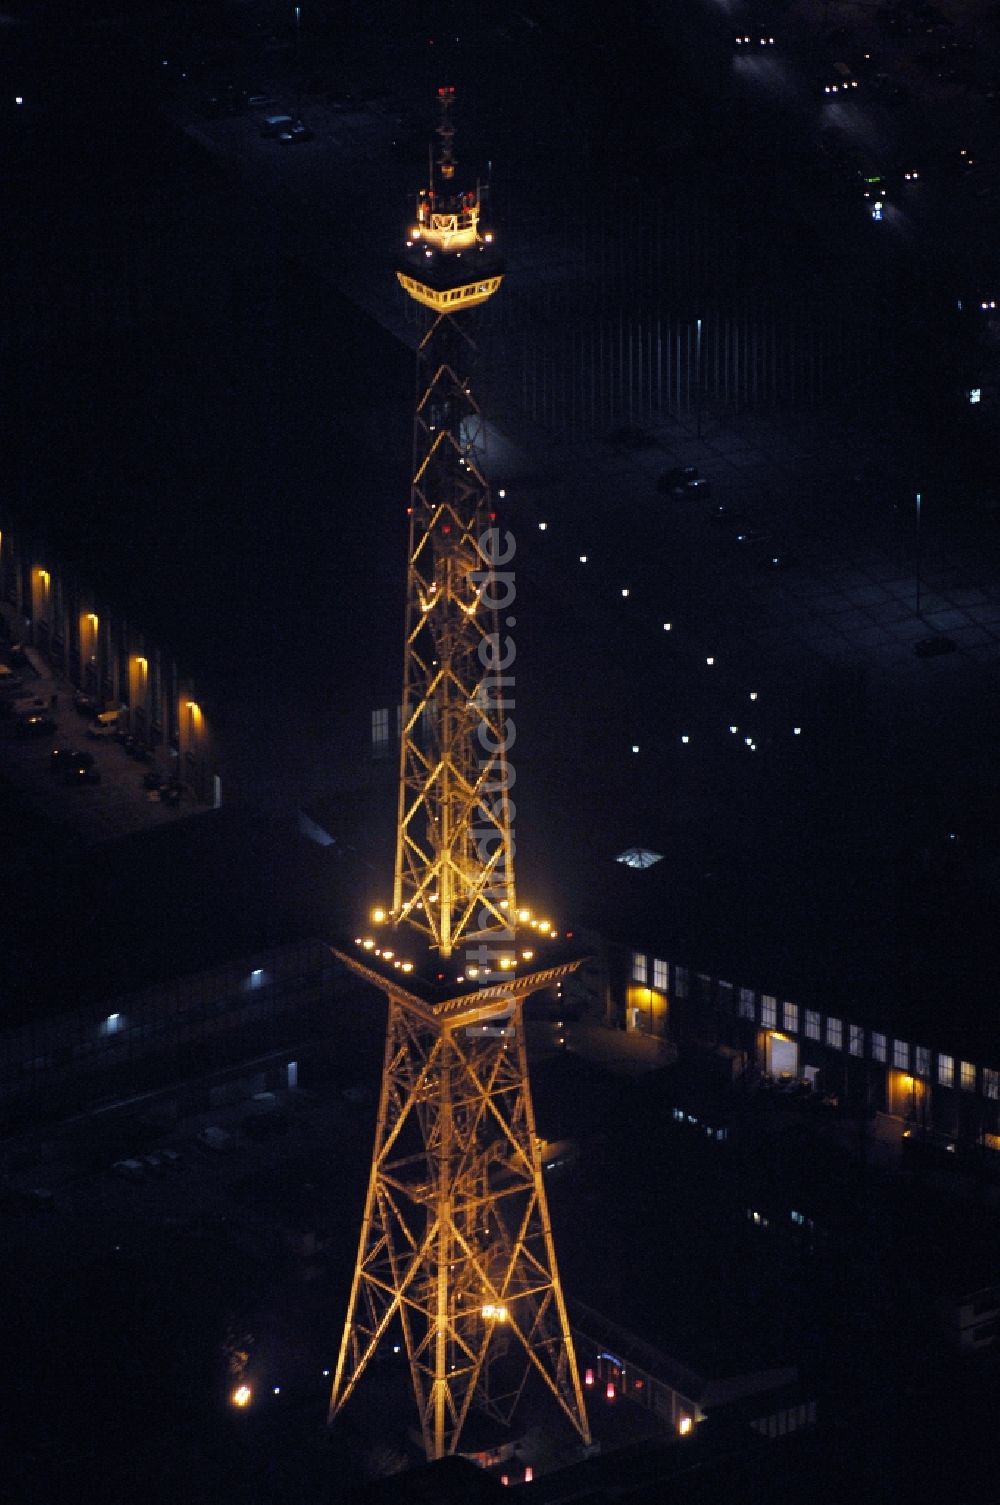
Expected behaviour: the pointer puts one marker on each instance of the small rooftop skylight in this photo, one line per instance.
(639, 857)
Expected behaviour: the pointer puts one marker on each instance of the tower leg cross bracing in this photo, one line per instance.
(456, 1247)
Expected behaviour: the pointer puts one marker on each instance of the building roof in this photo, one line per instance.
(858, 948)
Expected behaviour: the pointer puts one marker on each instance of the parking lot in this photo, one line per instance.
(112, 797)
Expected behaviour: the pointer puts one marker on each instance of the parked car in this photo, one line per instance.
(86, 705)
(215, 1139)
(70, 757)
(27, 705)
(9, 680)
(81, 773)
(101, 728)
(35, 725)
(273, 125)
(17, 658)
(296, 132)
(130, 1170)
(135, 747)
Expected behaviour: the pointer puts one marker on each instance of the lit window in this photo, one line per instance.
(380, 733)
(968, 1077)
(790, 1014)
(747, 1004)
(812, 1024)
(638, 966)
(991, 1083)
(855, 1040)
(900, 1055)
(946, 1070)
(878, 1046)
(660, 974)
(921, 1061)
(768, 1011)
(834, 1033)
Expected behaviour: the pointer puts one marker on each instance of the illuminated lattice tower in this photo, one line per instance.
(456, 1246)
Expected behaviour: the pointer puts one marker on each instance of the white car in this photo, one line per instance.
(130, 1170)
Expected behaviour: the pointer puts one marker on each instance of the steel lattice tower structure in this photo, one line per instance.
(456, 1245)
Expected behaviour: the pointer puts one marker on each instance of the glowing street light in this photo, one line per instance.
(242, 1396)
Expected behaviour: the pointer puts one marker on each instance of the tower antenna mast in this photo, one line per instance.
(456, 1247)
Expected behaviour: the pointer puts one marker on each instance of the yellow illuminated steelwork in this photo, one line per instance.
(450, 299)
(456, 1238)
(450, 260)
(456, 1244)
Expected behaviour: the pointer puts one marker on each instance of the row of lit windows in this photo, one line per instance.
(915, 1060)
(640, 971)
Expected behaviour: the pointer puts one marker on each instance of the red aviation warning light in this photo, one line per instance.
(450, 260)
